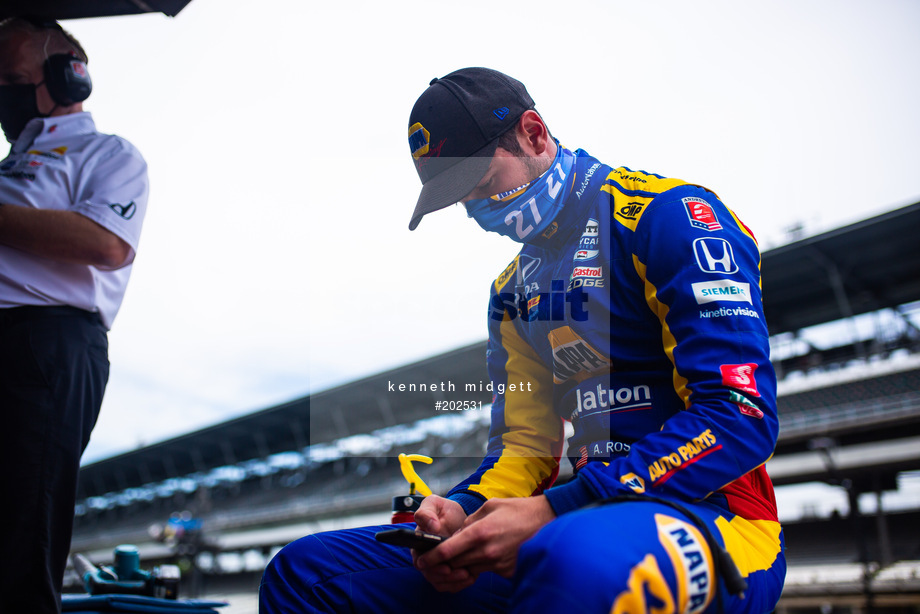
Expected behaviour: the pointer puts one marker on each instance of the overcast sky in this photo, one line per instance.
(276, 259)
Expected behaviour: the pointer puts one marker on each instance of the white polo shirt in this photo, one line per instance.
(63, 163)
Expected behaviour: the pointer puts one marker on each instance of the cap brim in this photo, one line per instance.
(452, 184)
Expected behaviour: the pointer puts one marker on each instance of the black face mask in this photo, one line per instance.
(17, 107)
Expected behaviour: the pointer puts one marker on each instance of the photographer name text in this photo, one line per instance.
(449, 386)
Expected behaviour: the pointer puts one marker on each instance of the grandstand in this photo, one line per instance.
(843, 309)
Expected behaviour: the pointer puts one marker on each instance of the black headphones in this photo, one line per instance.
(67, 79)
(66, 75)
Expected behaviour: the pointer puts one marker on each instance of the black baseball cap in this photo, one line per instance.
(454, 129)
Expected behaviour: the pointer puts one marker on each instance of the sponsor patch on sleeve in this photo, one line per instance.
(740, 377)
(633, 481)
(745, 405)
(722, 290)
(701, 214)
(714, 255)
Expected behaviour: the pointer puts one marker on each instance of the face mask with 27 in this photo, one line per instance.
(17, 107)
(528, 210)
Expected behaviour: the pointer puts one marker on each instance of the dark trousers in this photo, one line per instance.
(53, 370)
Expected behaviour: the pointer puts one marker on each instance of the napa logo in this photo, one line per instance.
(692, 562)
(634, 482)
(419, 140)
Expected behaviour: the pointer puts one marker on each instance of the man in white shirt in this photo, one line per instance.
(72, 202)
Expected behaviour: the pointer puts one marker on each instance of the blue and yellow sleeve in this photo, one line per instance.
(698, 266)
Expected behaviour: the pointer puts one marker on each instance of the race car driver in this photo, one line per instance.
(634, 311)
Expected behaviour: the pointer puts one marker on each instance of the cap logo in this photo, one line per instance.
(501, 113)
(419, 140)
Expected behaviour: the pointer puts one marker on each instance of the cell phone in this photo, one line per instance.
(407, 538)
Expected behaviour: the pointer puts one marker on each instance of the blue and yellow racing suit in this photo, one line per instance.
(637, 316)
(639, 320)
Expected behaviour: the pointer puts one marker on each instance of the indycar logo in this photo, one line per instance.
(588, 243)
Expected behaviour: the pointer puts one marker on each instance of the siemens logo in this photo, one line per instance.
(721, 290)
